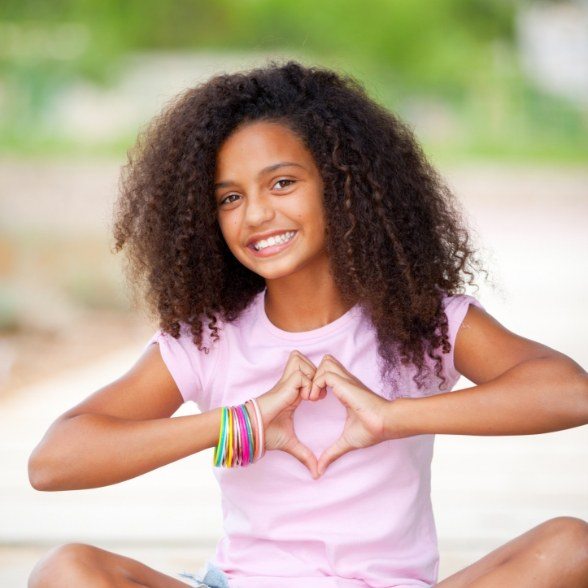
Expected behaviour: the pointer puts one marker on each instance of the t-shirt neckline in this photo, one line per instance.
(333, 327)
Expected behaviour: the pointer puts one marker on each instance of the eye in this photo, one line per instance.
(225, 199)
(285, 180)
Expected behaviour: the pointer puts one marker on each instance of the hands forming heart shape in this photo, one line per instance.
(302, 380)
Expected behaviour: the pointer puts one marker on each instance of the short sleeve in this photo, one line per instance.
(455, 308)
(188, 366)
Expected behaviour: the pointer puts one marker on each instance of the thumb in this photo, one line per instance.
(332, 453)
(305, 456)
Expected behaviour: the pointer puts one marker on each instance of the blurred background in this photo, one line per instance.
(497, 93)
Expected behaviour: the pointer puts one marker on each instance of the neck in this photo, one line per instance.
(304, 302)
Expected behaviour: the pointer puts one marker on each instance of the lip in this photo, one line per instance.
(267, 235)
(272, 250)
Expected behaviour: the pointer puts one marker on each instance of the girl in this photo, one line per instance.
(305, 263)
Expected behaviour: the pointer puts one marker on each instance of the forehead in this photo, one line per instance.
(259, 144)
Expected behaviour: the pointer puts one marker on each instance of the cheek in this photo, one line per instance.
(229, 228)
(317, 216)
(306, 212)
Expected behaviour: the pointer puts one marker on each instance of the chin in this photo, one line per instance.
(275, 272)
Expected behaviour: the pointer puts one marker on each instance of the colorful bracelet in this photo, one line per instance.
(240, 442)
(254, 431)
(260, 429)
(219, 453)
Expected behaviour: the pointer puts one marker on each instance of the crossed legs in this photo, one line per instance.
(77, 564)
(553, 554)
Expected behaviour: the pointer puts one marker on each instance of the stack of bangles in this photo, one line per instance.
(240, 442)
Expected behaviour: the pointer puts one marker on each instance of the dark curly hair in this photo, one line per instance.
(395, 235)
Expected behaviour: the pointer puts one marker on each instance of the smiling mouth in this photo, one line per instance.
(272, 249)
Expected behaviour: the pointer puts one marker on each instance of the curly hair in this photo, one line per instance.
(395, 235)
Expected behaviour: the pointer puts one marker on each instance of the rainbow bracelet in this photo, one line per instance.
(237, 443)
(220, 451)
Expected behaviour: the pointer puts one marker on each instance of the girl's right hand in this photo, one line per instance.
(278, 405)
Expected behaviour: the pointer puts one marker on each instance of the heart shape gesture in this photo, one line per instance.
(277, 408)
(365, 424)
(301, 380)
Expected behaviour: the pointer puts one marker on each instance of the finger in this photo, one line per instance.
(299, 361)
(285, 395)
(332, 453)
(302, 361)
(345, 389)
(315, 391)
(305, 456)
(328, 358)
(336, 366)
(308, 369)
(299, 384)
(321, 380)
(327, 363)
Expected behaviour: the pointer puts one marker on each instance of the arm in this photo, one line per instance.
(522, 388)
(121, 431)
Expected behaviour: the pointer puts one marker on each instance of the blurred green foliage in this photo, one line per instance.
(460, 53)
(434, 45)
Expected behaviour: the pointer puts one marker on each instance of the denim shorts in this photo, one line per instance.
(213, 577)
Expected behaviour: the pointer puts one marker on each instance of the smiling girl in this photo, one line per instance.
(307, 265)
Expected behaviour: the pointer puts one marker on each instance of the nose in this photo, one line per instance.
(258, 210)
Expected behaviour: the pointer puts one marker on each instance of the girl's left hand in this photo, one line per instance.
(366, 410)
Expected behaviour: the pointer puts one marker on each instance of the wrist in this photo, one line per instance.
(215, 417)
(254, 425)
(399, 420)
(266, 408)
(260, 444)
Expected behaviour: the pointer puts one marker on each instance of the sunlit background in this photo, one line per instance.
(497, 93)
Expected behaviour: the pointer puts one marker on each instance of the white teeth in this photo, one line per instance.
(273, 240)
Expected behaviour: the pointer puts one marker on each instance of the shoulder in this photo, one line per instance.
(482, 347)
(190, 366)
(185, 339)
(456, 307)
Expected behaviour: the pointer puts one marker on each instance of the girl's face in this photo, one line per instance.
(267, 183)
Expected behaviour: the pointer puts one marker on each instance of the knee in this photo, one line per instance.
(567, 535)
(62, 565)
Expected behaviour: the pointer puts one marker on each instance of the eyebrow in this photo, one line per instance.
(265, 170)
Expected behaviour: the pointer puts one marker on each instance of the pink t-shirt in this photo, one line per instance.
(368, 521)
